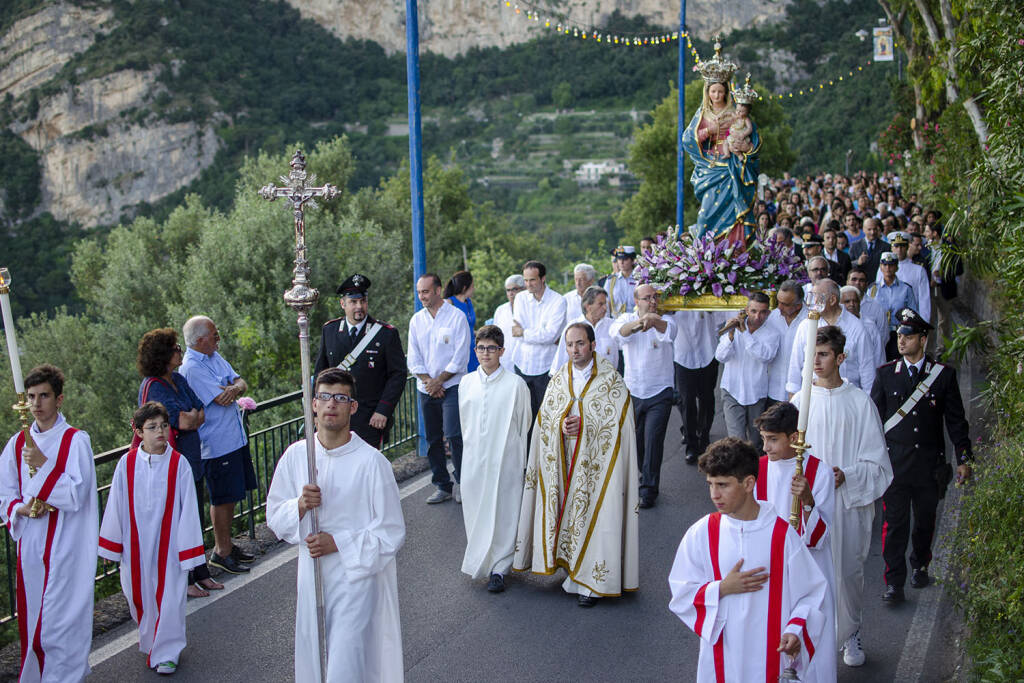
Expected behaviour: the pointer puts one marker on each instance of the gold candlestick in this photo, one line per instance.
(800, 446)
(36, 507)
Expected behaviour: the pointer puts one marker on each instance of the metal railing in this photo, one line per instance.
(266, 445)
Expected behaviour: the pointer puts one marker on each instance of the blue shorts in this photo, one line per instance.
(230, 476)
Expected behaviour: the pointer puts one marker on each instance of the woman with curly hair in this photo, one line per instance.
(159, 356)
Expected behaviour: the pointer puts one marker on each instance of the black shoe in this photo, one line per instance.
(496, 583)
(691, 456)
(893, 595)
(228, 564)
(240, 555)
(586, 600)
(646, 502)
(920, 578)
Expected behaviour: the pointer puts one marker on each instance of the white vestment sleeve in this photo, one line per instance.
(818, 524)
(10, 498)
(866, 358)
(111, 529)
(191, 552)
(283, 499)
(868, 477)
(807, 590)
(695, 597)
(366, 552)
(72, 487)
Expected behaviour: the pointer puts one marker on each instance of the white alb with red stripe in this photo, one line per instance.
(774, 479)
(740, 633)
(151, 526)
(56, 551)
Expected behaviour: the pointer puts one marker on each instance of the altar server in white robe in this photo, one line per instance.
(494, 408)
(778, 484)
(361, 530)
(56, 551)
(848, 436)
(151, 526)
(744, 581)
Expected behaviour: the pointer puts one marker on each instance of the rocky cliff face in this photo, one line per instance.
(451, 27)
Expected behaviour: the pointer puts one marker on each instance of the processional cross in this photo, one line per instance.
(300, 192)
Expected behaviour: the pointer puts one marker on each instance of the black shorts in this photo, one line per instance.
(230, 476)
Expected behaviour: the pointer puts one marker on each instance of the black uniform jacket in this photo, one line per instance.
(916, 445)
(380, 370)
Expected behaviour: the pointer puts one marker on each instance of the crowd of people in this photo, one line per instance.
(553, 414)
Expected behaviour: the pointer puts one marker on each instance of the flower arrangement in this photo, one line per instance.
(697, 266)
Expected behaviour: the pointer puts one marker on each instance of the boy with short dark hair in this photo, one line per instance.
(745, 629)
(151, 526)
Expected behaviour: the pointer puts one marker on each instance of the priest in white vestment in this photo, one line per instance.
(361, 530)
(846, 431)
(56, 551)
(744, 581)
(580, 499)
(778, 484)
(494, 409)
(151, 526)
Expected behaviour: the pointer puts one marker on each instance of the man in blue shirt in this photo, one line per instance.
(892, 295)
(227, 463)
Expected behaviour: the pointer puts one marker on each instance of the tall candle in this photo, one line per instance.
(12, 342)
(808, 374)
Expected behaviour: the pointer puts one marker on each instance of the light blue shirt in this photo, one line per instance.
(893, 298)
(222, 432)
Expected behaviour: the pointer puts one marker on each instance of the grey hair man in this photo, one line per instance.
(583, 275)
(504, 318)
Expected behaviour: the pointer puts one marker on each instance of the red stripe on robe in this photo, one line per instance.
(775, 576)
(808, 643)
(714, 532)
(51, 531)
(190, 553)
(761, 490)
(165, 541)
(60, 466)
(107, 544)
(134, 538)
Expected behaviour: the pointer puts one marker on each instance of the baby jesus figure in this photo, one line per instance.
(739, 132)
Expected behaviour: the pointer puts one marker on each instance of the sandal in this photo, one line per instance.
(194, 591)
(209, 584)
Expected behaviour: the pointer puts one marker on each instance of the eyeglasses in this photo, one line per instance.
(490, 348)
(337, 398)
(163, 426)
(649, 299)
(514, 290)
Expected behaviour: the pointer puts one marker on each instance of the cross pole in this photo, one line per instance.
(300, 192)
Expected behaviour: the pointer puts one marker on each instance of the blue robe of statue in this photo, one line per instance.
(725, 188)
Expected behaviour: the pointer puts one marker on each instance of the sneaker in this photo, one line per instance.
(853, 655)
(166, 668)
(240, 555)
(228, 564)
(496, 583)
(893, 595)
(457, 493)
(438, 496)
(920, 578)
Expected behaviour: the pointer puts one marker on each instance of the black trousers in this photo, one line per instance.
(899, 499)
(892, 349)
(696, 389)
(651, 415)
(537, 384)
(361, 425)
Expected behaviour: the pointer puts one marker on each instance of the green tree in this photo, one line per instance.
(561, 95)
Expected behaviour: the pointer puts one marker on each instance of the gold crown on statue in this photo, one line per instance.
(717, 69)
(745, 95)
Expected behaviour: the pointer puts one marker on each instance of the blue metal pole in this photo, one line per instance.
(682, 119)
(419, 247)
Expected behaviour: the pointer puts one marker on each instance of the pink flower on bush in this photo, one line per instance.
(246, 403)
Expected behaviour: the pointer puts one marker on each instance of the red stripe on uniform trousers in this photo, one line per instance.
(775, 576)
(165, 541)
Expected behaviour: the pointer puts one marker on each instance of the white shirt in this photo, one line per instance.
(747, 357)
(503, 318)
(620, 294)
(859, 366)
(439, 343)
(648, 356)
(573, 304)
(606, 345)
(542, 322)
(695, 338)
(779, 367)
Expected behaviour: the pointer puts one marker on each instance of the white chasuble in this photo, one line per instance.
(495, 414)
(581, 494)
(151, 526)
(740, 633)
(774, 479)
(361, 510)
(56, 552)
(846, 431)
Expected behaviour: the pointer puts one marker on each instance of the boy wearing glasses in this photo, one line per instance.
(151, 526)
(361, 530)
(494, 410)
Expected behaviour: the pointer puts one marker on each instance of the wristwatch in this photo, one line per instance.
(808, 508)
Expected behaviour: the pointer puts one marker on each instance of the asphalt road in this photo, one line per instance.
(454, 630)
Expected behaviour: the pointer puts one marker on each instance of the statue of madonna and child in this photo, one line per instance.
(723, 144)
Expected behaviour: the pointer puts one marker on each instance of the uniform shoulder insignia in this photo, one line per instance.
(890, 364)
(873, 291)
(384, 323)
(333, 321)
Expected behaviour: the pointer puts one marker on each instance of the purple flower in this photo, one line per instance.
(716, 289)
(732, 277)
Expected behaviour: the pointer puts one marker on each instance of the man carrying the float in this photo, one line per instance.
(744, 581)
(580, 499)
(846, 433)
(56, 538)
